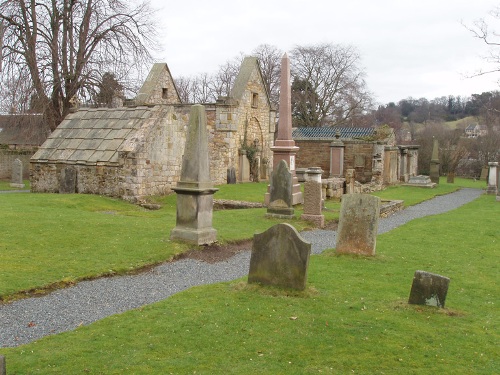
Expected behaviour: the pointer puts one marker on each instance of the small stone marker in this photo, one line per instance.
(17, 174)
(231, 176)
(358, 224)
(350, 181)
(420, 180)
(492, 178)
(3, 369)
(280, 257)
(67, 181)
(428, 289)
(280, 201)
(313, 198)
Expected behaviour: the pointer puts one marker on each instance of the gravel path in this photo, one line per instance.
(27, 320)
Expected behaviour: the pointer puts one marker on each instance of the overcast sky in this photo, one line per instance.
(416, 48)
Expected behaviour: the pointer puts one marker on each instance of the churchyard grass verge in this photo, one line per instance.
(353, 317)
(5, 185)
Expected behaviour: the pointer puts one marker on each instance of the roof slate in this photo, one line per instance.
(328, 133)
(93, 135)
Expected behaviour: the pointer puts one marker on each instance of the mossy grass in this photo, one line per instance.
(352, 318)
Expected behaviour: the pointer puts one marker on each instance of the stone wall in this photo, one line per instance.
(358, 155)
(314, 154)
(7, 157)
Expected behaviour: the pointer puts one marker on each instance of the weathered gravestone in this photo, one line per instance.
(313, 198)
(350, 181)
(3, 369)
(492, 178)
(195, 189)
(231, 175)
(17, 174)
(422, 181)
(280, 257)
(434, 172)
(67, 181)
(280, 192)
(428, 289)
(358, 224)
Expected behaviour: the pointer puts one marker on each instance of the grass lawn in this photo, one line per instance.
(353, 318)
(5, 185)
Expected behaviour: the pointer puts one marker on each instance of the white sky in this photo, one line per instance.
(416, 48)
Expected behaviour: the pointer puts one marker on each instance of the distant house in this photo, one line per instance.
(132, 152)
(20, 137)
(372, 154)
(476, 130)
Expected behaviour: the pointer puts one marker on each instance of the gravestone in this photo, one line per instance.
(195, 189)
(350, 181)
(484, 174)
(17, 174)
(313, 198)
(434, 172)
(428, 289)
(284, 146)
(280, 257)
(67, 181)
(422, 181)
(231, 175)
(492, 178)
(280, 193)
(358, 224)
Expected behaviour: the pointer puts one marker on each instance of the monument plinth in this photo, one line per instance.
(195, 189)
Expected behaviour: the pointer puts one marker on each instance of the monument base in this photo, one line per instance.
(317, 220)
(421, 181)
(280, 213)
(18, 186)
(196, 236)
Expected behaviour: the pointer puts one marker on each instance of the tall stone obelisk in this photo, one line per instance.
(195, 189)
(284, 148)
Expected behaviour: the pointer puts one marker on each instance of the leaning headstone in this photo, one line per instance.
(428, 289)
(358, 224)
(195, 189)
(3, 368)
(434, 173)
(67, 181)
(280, 201)
(231, 175)
(17, 174)
(313, 199)
(280, 257)
(492, 178)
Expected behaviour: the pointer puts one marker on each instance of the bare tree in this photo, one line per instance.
(270, 65)
(64, 45)
(334, 75)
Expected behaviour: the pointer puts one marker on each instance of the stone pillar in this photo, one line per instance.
(403, 174)
(284, 147)
(195, 189)
(313, 201)
(350, 179)
(434, 175)
(17, 174)
(337, 157)
(492, 178)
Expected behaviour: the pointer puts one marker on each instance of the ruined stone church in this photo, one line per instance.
(136, 151)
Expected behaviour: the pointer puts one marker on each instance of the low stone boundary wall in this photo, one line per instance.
(389, 208)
